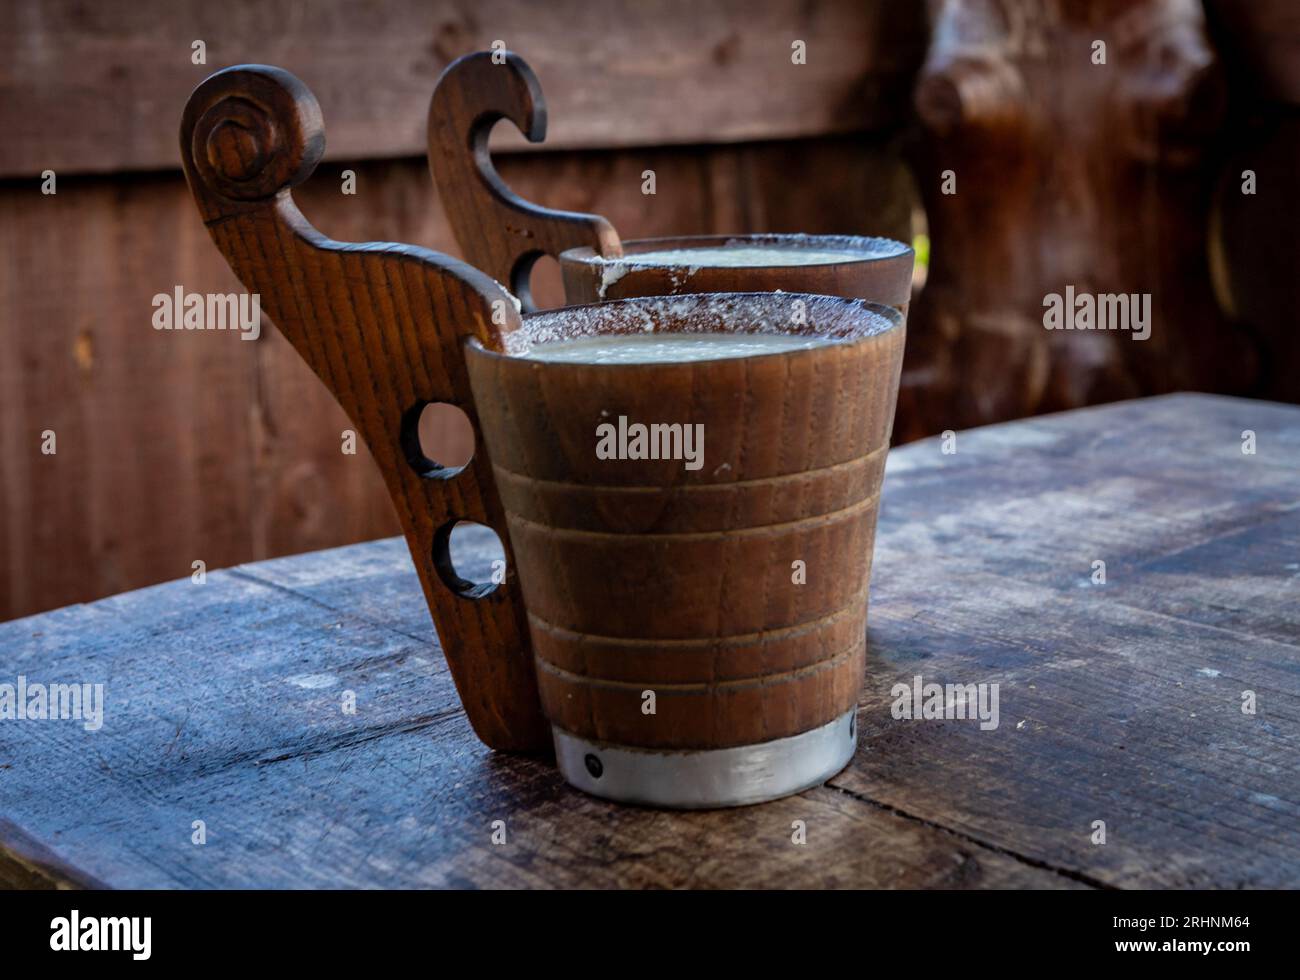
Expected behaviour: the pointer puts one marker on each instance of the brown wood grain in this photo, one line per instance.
(93, 88)
(879, 271)
(498, 231)
(1118, 702)
(1042, 171)
(505, 235)
(385, 327)
(382, 325)
(678, 579)
(244, 437)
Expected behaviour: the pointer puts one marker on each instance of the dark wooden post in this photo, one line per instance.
(1041, 169)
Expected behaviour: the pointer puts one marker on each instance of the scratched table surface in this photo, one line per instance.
(1148, 727)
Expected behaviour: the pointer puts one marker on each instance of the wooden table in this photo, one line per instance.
(1120, 702)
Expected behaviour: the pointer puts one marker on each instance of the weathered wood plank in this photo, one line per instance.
(296, 793)
(1121, 701)
(98, 87)
(1106, 713)
(1118, 702)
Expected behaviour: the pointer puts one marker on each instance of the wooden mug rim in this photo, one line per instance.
(859, 323)
(857, 249)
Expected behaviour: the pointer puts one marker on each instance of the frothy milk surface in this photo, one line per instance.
(661, 348)
(738, 256)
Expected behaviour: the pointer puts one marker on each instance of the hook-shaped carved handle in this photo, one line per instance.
(498, 231)
(383, 326)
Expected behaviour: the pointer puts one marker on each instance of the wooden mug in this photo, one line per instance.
(876, 269)
(757, 679)
(699, 632)
(504, 235)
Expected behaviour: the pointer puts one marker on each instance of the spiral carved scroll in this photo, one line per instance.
(497, 230)
(252, 132)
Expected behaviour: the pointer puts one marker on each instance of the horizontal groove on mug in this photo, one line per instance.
(728, 639)
(706, 687)
(688, 487)
(732, 532)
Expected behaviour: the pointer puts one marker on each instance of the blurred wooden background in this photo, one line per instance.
(176, 447)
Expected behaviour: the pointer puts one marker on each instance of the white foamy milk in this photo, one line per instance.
(738, 256)
(661, 348)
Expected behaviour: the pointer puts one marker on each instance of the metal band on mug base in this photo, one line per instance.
(710, 777)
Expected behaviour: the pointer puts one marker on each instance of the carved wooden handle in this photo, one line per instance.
(383, 326)
(498, 231)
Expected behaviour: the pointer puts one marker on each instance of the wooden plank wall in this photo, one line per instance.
(175, 448)
(181, 447)
(98, 87)
(1256, 251)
